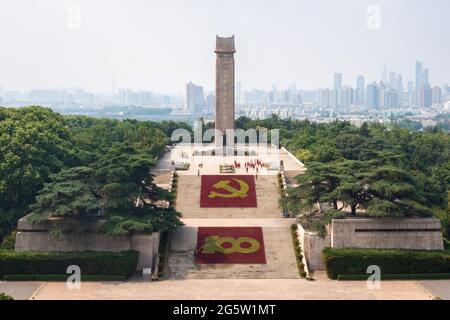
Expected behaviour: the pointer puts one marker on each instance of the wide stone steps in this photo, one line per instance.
(281, 263)
(188, 201)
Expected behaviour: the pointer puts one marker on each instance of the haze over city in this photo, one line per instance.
(162, 45)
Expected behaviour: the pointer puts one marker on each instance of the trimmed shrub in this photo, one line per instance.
(5, 297)
(298, 251)
(9, 241)
(91, 263)
(412, 276)
(390, 261)
(446, 244)
(60, 277)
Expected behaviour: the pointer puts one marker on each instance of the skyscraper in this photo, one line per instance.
(392, 79)
(337, 81)
(373, 95)
(436, 95)
(224, 118)
(238, 92)
(384, 74)
(360, 91)
(419, 67)
(194, 98)
(425, 96)
(411, 95)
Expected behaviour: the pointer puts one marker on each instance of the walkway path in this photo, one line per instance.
(237, 289)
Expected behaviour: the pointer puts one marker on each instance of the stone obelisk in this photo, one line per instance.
(224, 118)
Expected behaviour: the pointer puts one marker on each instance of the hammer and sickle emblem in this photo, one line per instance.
(233, 192)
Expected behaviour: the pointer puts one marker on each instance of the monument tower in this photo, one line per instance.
(224, 118)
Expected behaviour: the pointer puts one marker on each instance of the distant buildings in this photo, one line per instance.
(337, 81)
(360, 90)
(422, 84)
(373, 95)
(194, 98)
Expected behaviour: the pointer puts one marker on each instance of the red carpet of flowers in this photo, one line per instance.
(230, 245)
(228, 191)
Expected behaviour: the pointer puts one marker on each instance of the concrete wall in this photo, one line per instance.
(38, 238)
(399, 233)
(383, 233)
(312, 246)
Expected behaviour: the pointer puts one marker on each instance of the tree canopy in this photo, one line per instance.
(77, 165)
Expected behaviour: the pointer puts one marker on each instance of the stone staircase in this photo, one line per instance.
(279, 251)
(267, 194)
(281, 263)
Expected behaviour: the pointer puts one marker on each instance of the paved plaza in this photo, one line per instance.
(237, 289)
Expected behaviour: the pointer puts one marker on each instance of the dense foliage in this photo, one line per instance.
(5, 297)
(376, 170)
(91, 263)
(390, 261)
(80, 166)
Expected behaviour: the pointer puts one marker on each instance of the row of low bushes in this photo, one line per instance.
(56, 263)
(163, 248)
(298, 251)
(174, 189)
(412, 276)
(391, 261)
(59, 277)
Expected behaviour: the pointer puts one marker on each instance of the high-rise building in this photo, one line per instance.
(194, 99)
(238, 92)
(425, 75)
(324, 97)
(410, 93)
(373, 95)
(393, 79)
(436, 96)
(384, 74)
(224, 118)
(360, 89)
(425, 96)
(210, 102)
(337, 81)
(346, 97)
(292, 93)
(419, 77)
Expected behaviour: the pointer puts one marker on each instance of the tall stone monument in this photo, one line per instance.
(224, 118)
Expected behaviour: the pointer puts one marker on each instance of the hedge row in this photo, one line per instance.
(412, 276)
(60, 277)
(298, 251)
(390, 261)
(91, 263)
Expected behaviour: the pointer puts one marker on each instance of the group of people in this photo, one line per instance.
(252, 164)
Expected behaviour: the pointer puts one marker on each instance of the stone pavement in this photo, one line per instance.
(437, 288)
(19, 290)
(236, 289)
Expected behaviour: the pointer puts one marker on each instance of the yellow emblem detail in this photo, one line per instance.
(215, 244)
(233, 192)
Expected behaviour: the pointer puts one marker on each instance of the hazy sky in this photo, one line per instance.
(159, 45)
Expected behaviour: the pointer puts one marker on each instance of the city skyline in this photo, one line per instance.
(160, 46)
(408, 92)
